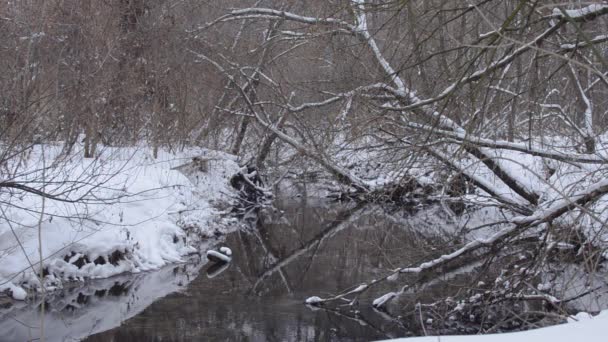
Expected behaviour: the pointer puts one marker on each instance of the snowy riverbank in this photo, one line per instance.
(583, 327)
(125, 212)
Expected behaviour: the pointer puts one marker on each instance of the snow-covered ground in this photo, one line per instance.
(583, 328)
(137, 213)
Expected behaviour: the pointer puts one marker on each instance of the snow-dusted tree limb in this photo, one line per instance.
(512, 146)
(587, 115)
(410, 98)
(582, 14)
(505, 61)
(269, 13)
(568, 47)
(503, 173)
(407, 97)
(592, 12)
(341, 174)
(41, 193)
(564, 205)
(563, 116)
(480, 182)
(337, 97)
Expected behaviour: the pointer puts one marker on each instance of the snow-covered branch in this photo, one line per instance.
(513, 146)
(480, 182)
(518, 225)
(567, 47)
(582, 14)
(337, 97)
(248, 13)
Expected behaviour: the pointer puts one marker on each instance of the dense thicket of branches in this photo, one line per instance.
(420, 83)
(124, 70)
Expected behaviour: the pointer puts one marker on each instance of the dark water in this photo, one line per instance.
(306, 248)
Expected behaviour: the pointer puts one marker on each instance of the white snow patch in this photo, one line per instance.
(313, 300)
(156, 214)
(225, 250)
(218, 255)
(380, 301)
(583, 329)
(581, 12)
(16, 292)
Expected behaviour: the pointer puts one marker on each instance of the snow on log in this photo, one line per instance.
(564, 205)
(313, 300)
(216, 256)
(513, 146)
(226, 251)
(581, 14)
(380, 301)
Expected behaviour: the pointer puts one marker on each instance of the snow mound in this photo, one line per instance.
(140, 214)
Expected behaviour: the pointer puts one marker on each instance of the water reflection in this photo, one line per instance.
(301, 249)
(309, 248)
(76, 312)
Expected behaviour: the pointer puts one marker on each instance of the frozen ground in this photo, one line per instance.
(134, 213)
(583, 328)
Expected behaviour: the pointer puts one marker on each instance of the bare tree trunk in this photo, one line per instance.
(270, 138)
(514, 102)
(91, 136)
(585, 108)
(251, 90)
(240, 136)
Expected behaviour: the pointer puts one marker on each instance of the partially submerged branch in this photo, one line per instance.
(518, 225)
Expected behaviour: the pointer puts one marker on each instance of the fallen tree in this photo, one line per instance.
(542, 163)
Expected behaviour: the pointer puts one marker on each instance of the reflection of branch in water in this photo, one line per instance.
(217, 268)
(82, 309)
(387, 316)
(269, 252)
(300, 235)
(357, 318)
(341, 222)
(310, 261)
